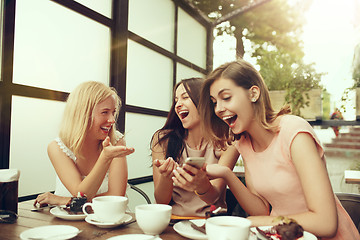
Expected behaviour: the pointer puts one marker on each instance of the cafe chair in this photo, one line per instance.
(233, 207)
(351, 203)
(136, 197)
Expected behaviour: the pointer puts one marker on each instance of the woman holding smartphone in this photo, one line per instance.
(186, 187)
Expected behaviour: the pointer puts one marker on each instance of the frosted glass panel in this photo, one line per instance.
(149, 78)
(154, 21)
(191, 39)
(35, 123)
(183, 72)
(101, 6)
(138, 132)
(56, 48)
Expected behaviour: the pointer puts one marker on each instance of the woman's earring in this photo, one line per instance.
(253, 100)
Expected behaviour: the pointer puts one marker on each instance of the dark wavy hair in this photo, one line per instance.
(243, 74)
(171, 136)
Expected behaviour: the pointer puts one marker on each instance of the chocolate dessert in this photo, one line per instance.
(287, 229)
(75, 205)
(215, 212)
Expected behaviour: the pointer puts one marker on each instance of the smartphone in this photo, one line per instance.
(197, 162)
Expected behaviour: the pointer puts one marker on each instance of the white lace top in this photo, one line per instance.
(60, 189)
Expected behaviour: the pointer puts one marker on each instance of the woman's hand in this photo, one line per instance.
(110, 151)
(216, 171)
(165, 167)
(191, 178)
(52, 199)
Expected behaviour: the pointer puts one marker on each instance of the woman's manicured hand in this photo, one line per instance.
(110, 151)
(165, 167)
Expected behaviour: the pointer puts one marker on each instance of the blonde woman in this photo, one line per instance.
(89, 156)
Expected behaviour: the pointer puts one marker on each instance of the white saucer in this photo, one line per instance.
(92, 220)
(51, 231)
(134, 237)
(61, 213)
(307, 235)
(184, 229)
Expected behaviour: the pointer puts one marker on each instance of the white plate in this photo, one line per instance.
(61, 213)
(54, 232)
(134, 237)
(92, 220)
(184, 229)
(307, 235)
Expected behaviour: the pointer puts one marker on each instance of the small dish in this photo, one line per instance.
(184, 229)
(7, 216)
(307, 235)
(63, 214)
(92, 220)
(135, 237)
(54, 232)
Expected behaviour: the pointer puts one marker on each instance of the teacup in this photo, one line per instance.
(153, 218)
(227, 228)
(108, 208)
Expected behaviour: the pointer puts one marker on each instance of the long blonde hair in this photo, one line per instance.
(78, 113)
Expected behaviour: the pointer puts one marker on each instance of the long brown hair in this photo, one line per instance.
(243, 74)
(171, 136)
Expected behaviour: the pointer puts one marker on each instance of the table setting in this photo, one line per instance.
(109, 219)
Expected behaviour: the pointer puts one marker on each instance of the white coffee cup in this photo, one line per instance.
(227, 228)
(153, 218)
(110, 209)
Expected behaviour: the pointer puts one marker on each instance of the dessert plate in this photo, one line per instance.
(54, 232)
(135, 237)
(307, 235)
(61, 213)
(91, 218)
(184, 229)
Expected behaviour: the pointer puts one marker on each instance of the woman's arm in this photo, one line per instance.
(52, 199)
(162, 173)
(249, 200)
(317, 189)
(118, 174)
(70, 175)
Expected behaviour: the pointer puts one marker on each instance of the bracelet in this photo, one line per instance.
(201, 194)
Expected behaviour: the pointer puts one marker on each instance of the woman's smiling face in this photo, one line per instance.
(103, 118)
(232, 104)
(185, 108)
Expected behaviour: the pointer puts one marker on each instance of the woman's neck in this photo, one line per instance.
(91, 145)
(195, 139)
(260, 137)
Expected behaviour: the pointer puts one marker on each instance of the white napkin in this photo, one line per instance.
(9, 175)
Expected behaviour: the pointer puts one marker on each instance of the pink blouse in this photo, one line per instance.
(283, 189)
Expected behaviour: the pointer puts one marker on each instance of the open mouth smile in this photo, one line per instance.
(183, 114)
(106, 129)
(230, 120)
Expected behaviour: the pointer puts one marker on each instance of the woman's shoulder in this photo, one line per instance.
(292, 125)
(58, 145)
(293, 122)
(160, 134)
